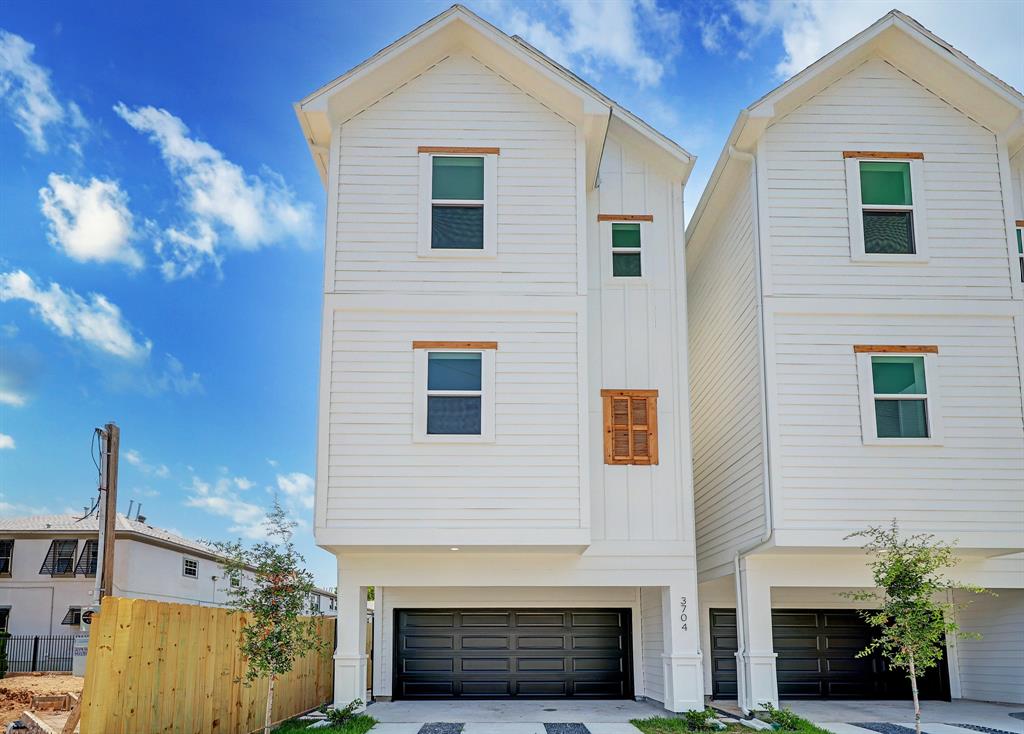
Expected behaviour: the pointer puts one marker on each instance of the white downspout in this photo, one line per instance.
(743, 683)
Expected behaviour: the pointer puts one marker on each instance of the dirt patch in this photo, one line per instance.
(16, 693)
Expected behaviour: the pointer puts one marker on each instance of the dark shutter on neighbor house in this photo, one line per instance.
(6, 557)
(60, 559)
(87, 561)
(74, 616)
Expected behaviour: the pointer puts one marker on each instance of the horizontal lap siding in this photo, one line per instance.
(458, 102)
(725, 385)
(876, 107)
(529, 477)
(992, 668)
(831, 479)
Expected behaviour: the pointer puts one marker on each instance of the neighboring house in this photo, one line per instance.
(48, 571)
(856, 340)
(503, 434)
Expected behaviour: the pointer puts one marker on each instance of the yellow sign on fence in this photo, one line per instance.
(159, 667)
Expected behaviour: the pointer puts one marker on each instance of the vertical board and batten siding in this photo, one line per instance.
(831, 479)
(652, 641)
(457, 102)
(528, 477)
(992, 668)
(725, 383)
(877, 107)
(633, 344)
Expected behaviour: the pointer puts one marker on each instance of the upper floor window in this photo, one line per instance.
(898, 393)
(630, 426)
(625, 249)
(458, 215)
(6, 557)
(235, 582)
(87, 561)
(60, 559)
(454, 391)
(1020, 247)
(190, 568)
(886, 205)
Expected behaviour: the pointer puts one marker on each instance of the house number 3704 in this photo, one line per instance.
(682, 612)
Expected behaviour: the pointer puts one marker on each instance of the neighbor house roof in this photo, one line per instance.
(460, 28)
(898, 38)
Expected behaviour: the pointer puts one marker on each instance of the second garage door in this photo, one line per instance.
(504, 653)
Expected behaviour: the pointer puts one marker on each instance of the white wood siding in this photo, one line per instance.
(877, 107)
(830, 479)
(458, 102)
(633, 340)
(725, 383)
(992, 668)
(379, 478)
(652, 642)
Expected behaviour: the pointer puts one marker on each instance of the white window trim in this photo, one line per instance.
(184, 565)
(606, 245)
(426, 202)
(420, 435)
(933, 406)
(856, 210)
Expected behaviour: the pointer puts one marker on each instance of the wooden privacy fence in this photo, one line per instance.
(159, 667)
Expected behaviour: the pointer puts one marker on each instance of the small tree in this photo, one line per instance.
(275, 632)
(912, 619)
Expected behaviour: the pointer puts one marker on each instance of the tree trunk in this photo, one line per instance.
(267, 721)
(913, 690)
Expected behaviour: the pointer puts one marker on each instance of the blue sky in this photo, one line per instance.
(161, 220)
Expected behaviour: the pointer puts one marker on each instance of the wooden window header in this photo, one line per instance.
(883, 154)
(453, 345)
(625, 217)
(630, 426)
(457, 150)
(1020, 222)
(895, 349)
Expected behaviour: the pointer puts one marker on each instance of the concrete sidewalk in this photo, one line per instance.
(515, 712)
(975, 713)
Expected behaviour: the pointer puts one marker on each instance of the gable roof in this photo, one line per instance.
(458, 28)
(929, 60)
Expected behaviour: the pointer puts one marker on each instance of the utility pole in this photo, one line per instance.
(111, 442)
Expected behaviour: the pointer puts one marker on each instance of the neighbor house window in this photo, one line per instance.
(457, 209)
(899, 401)
(886, 205)
(630, 426)
(87, 561)
(455, 391)
(6, 557)
(626, 233)
(60, 558)
(5, 618)
(235, 582)
(190, 568)
(73, 617)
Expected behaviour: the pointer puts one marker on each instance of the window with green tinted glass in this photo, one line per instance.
(1020, 251)
(900, 396)
(887, 204)
(626, 250)
(457, 203)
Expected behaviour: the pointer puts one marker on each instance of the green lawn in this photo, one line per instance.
(357, 725)
(664, 725)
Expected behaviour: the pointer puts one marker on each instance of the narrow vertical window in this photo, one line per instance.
(630, 426)
(5, 617)
(6, 557)
(87, 561)
(1020, 248)
(626, 254)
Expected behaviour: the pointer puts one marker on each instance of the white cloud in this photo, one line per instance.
(28, 96)
(219, 196)
(14, 509)
(89, 221)
(6, 442)
(986, 30)
(12, 398)
(133, 457)
(93, 320)
(243, 484)
(637, 37)
(221, 498)
(298, 487)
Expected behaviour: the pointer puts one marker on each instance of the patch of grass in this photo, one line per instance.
(666, 725)
(356, 725)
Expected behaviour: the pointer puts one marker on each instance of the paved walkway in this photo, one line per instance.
(896, 717)
(481, 727)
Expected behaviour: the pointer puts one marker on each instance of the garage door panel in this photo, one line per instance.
(537, 653)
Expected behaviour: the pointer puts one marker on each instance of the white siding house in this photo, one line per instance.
(811, 286)
(504, 265)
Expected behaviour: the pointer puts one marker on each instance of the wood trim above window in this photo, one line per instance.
(457, 150)
(625, 217)
(895, 349)
(883, 154)
(630, 426)
(1020, 222)
(454, 345)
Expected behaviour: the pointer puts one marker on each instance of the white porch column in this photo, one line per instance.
(756, 658)
(350, 654)
(683, 668)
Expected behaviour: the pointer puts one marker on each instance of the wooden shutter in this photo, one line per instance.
(630, 426)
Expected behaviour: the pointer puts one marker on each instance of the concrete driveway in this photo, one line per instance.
(552, 711)
(942, 716)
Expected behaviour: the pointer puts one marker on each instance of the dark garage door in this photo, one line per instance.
(523, 653)
(817, 658)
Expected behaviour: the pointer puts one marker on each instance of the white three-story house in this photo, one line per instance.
(856, 338)
(503, 428)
